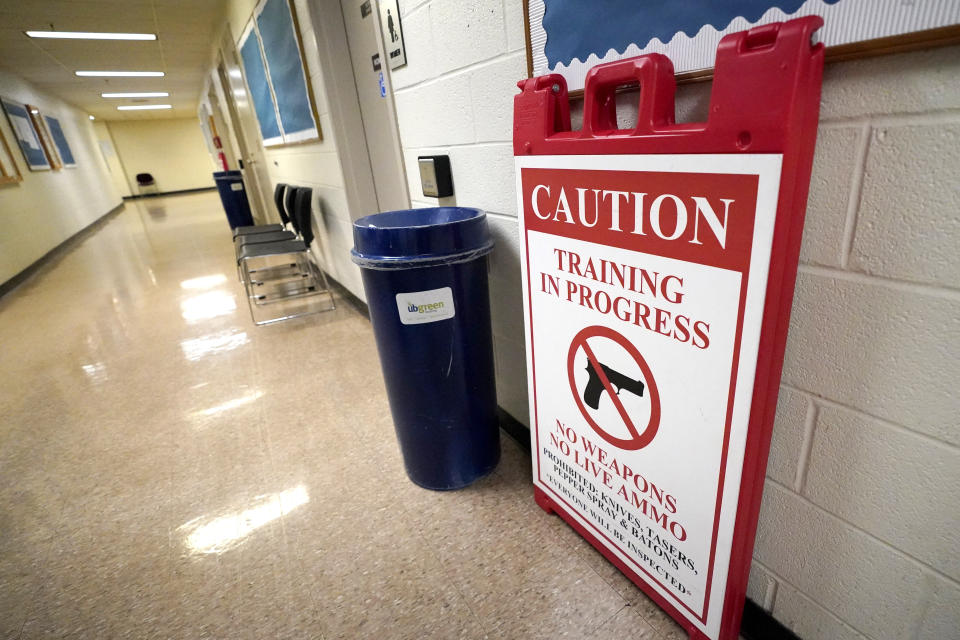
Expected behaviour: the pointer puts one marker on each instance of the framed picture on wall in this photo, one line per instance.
(9, 171)
(26, 135)
(569, 37)
(60, 141)
(46, 140)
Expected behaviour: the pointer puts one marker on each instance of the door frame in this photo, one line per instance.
(340, 88)
(246, 131)
(219, 114)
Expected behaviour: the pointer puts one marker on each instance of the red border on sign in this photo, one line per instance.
(639, 440)
(765, 99)
(744, 264)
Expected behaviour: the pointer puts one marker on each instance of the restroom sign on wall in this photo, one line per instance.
(658, 267)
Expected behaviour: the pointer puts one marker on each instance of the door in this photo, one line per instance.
(254, 168)
(376, 103)
(218, 113)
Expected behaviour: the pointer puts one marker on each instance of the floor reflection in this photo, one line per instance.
(197, 348)
(204, 282)
(228, 405)
(96, 371)
(220, 533)
(207, 305)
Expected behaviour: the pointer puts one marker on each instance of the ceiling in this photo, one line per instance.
(186, 31)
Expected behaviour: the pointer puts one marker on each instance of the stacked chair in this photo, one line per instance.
(278, 199)
(275, 265)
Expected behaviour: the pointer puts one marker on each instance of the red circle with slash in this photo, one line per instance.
(637, 440)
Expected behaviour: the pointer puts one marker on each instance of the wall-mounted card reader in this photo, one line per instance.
(435, 176)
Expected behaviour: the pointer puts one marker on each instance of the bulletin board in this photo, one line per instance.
(259, 87)
(60, 140)
(272, 57)
(26, 135)
(46, 139)
(9, 171)
(569, 37)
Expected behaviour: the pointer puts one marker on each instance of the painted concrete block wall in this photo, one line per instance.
(110, 157)
(171, 150)
(858, 533)
(48, 207)
(455, 96)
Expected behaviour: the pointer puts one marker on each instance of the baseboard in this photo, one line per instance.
(168, 193)
(515, 429)
(351, 299)
(57, 252)
(760, 625)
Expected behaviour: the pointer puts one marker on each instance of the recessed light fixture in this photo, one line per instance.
(141, 94)
(137, 107)
(115, 74)
(91, 117)
(91, 35)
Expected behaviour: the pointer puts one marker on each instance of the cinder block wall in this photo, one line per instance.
(858, 534)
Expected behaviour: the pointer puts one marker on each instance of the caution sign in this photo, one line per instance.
(644, 315)
(658, 266)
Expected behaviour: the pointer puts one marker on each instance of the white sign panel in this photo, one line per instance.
(392, 33)
(644, 283)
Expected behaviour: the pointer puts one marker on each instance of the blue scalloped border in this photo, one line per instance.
(577, 28)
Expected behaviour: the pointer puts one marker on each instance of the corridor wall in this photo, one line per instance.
(109, 153)
(48, 207)
(857, 535)
(171, 150)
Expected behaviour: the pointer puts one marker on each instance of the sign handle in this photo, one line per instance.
(654, 74)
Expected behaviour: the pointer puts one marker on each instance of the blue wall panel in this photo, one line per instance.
(56, 131)
(260, 91)
(286, 69)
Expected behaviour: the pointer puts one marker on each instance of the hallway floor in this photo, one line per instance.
(169, 470)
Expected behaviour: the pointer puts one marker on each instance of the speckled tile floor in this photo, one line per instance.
(169, 470)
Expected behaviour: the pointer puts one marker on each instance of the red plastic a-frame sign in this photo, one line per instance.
(658, 273)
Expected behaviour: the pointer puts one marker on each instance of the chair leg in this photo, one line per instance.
(304, 281)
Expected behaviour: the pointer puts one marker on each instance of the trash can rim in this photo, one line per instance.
(387, 263)
(362, 224)
(414, 238)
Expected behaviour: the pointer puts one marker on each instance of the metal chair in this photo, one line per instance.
(145, 180)
(273, 235)
(278, 193)
(296, 278)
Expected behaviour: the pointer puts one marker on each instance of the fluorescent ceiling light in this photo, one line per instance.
(92, 118)
(91, 35)
(115, 74)
(136, 107)
(141, 94)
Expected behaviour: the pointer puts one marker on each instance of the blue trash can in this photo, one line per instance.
(425, 277)
(234, 198)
